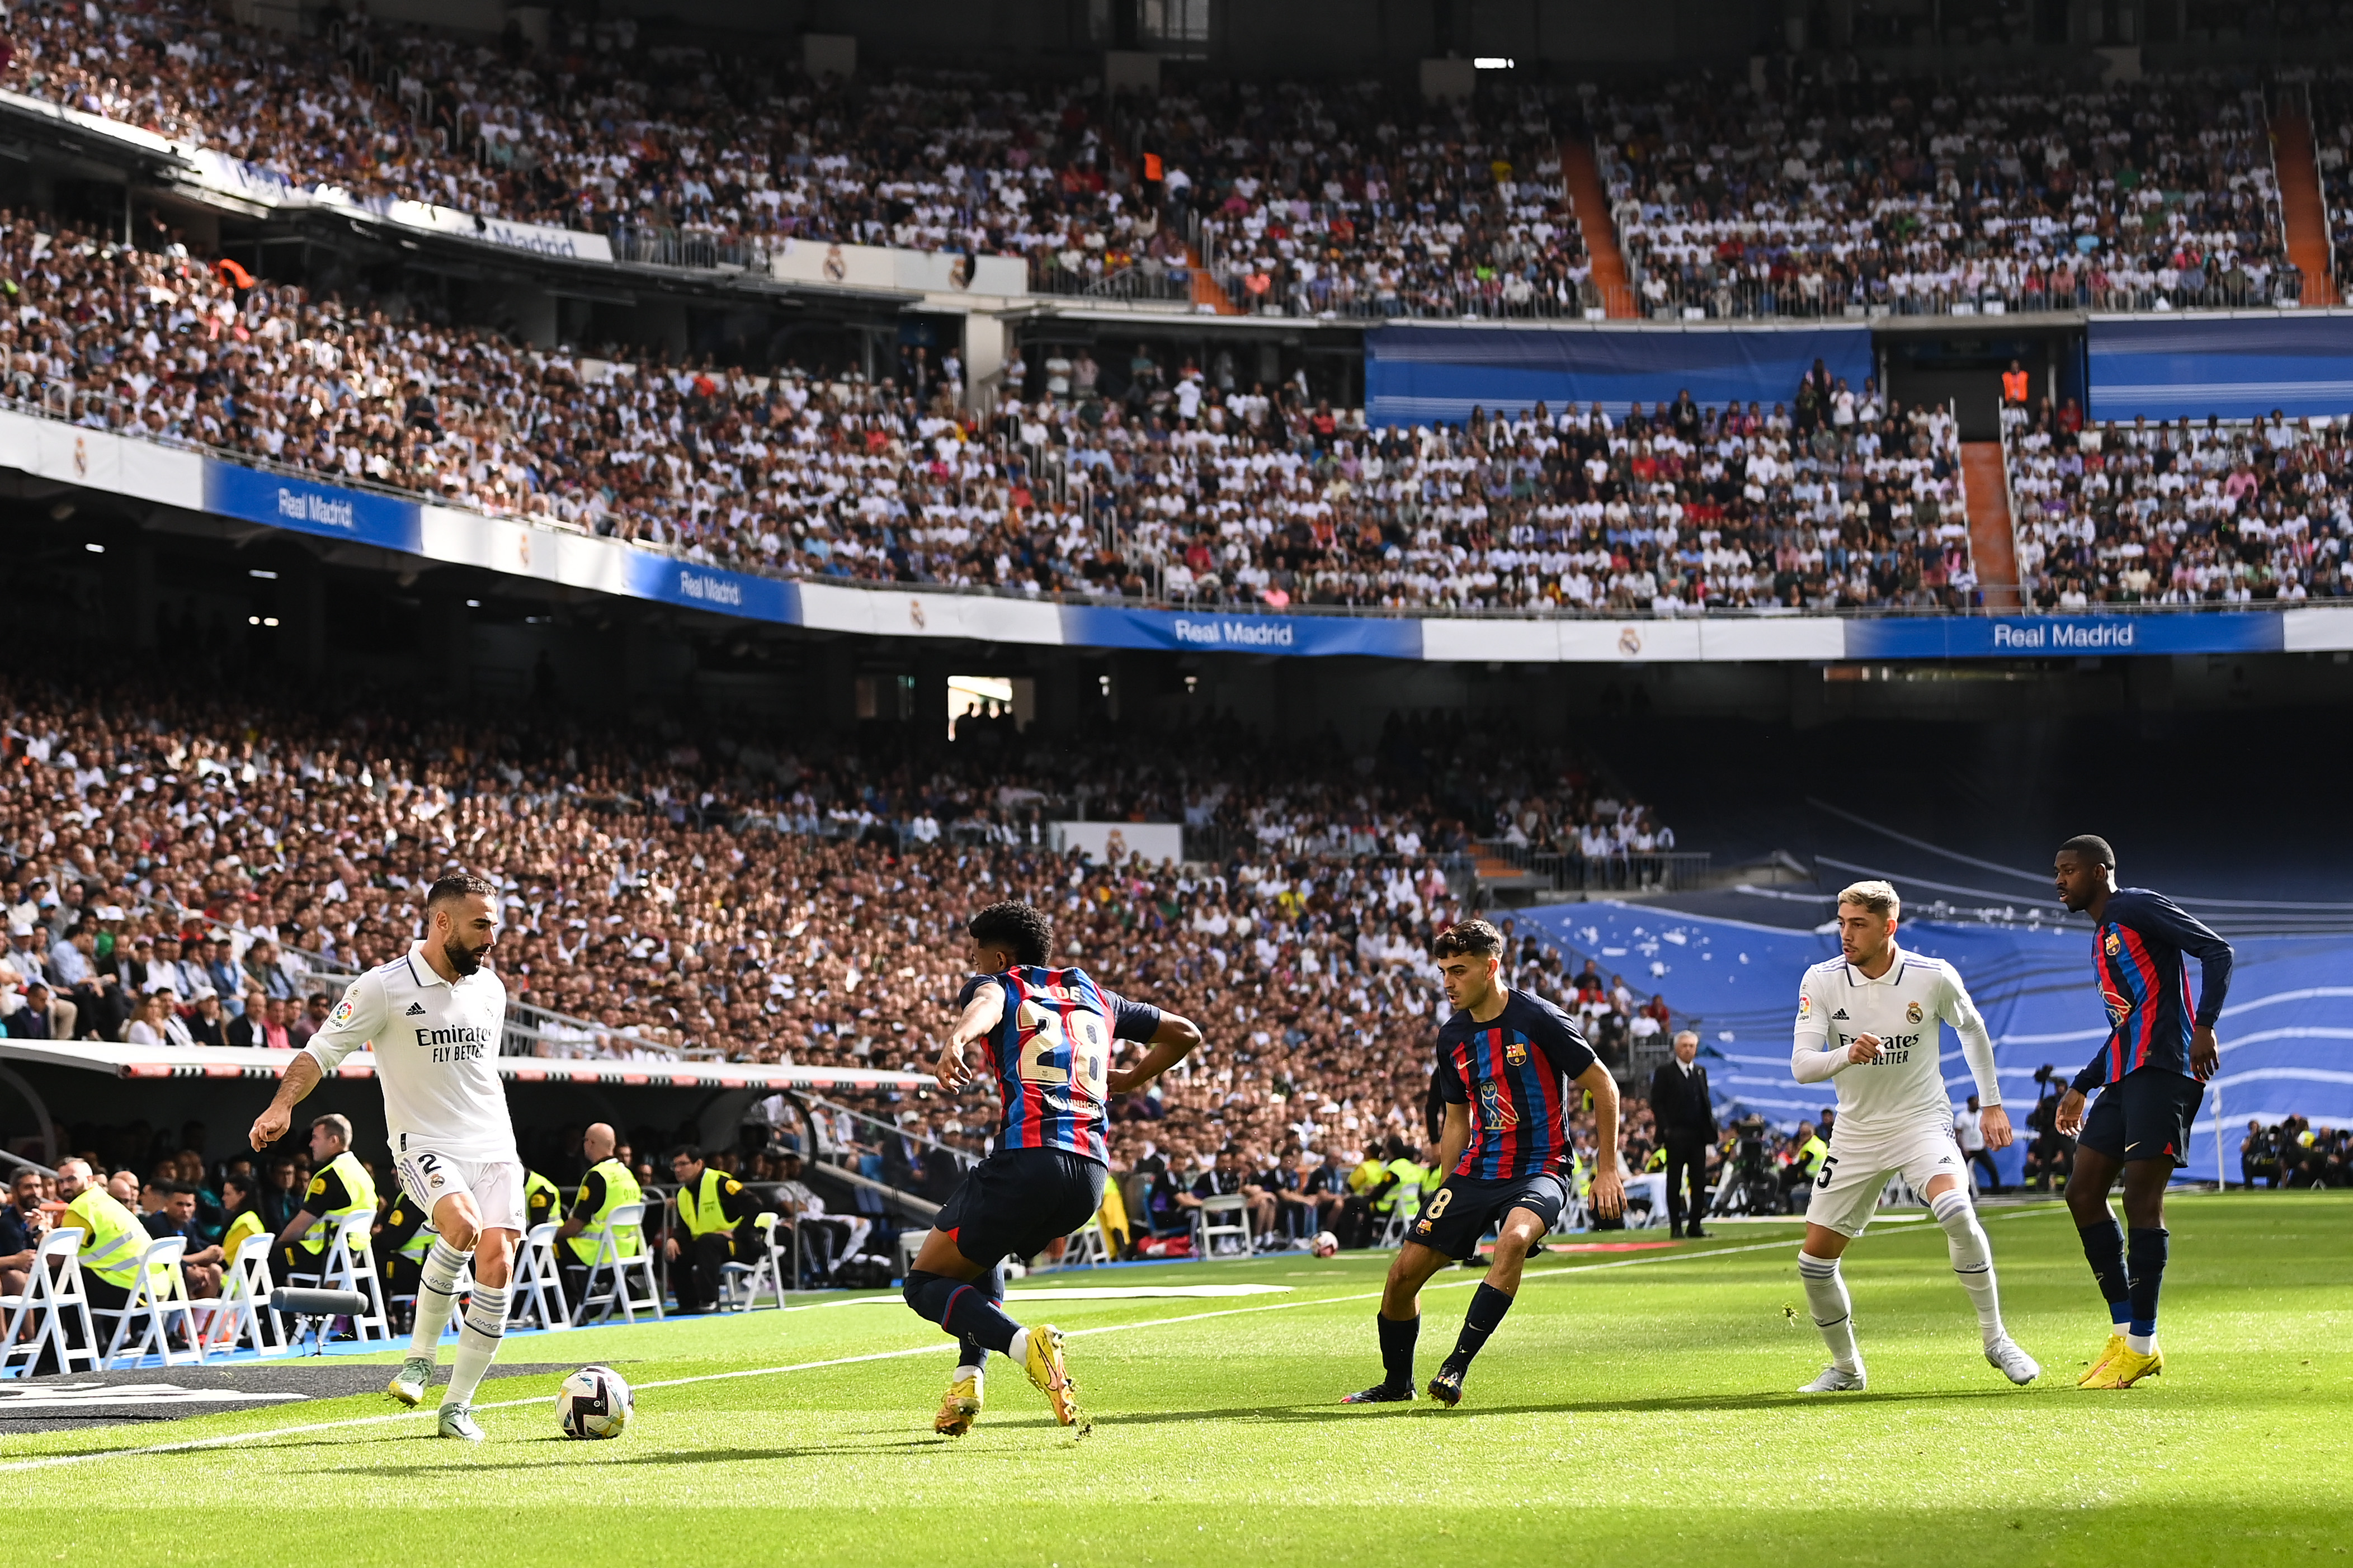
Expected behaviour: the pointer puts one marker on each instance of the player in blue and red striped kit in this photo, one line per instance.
(2151, 1073)
(1050, 1035)
(1505, 1060)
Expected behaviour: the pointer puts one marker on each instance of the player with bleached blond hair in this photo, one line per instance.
(1869, 1019)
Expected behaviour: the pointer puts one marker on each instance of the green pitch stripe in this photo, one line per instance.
(347, 1423)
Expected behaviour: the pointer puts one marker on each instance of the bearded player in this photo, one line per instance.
(434, 1016)
(1869, 1019)
(1507, 1161)
(1048, 1034)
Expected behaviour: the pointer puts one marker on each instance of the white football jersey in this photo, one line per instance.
(1903, 1087)
(435, 1043)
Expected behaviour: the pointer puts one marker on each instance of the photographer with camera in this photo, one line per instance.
(2051, 1154)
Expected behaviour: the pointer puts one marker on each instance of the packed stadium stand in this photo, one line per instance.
(724, 897)
(1919, 196)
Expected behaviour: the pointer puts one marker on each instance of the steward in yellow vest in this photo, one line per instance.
(340, 1188)
(713, 1213)
(542, 1200)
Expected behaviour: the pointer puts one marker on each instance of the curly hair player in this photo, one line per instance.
(2151, 1072)
(1049, 1035)
(1505, 1053)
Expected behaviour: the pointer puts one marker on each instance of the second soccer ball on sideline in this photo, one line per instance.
(1327, 1245)
(594, 1402)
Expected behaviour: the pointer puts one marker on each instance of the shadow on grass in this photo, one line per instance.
(1336, 1411)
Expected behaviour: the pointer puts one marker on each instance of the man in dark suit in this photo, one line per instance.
(1686, 1125)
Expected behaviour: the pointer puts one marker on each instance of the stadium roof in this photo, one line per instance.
(254, 1062)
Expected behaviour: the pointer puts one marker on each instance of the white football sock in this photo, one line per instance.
(1834, 1312)
(437, 1294)
(969, 1371)
(478, 1341)
(1972, 1259)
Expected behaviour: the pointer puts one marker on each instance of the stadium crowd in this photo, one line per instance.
(1319, 199)
(1928, 196)
(1182, 489)
(1807, 197)
(2256, 511)
(197, 868)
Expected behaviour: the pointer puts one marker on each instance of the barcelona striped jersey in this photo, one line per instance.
(2141, 954)
(1512, 1072)
(1051, 1051)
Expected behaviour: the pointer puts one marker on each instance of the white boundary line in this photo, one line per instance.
(52, 1461)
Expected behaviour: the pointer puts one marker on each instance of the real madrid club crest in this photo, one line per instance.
(1912, 1012)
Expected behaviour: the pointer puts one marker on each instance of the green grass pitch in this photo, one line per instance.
(1633, 1414)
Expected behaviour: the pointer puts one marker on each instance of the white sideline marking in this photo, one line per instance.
(934, 1348)
(71, 1395)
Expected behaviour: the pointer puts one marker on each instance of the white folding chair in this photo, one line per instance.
(241, 1314)
(740, 1284)
(350, 1265)
(1399, 1224)
(1086, 1247)
(159, 1293)
(1226, 1215)
(536, 1297)
(616, 1273)
(37, 1318)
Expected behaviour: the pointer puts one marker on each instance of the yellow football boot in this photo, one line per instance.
(2115, 1347)
(1042, 1360)
(958, 1408)
(2126, 1367)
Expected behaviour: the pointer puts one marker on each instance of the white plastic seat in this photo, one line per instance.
(241, 1314)
(350, 1265)
(38, 1320)
(535, 1299)
(617, 1273)
(159, 1294)
(740, 1284)
(1086, 1246)
(1211, 1223)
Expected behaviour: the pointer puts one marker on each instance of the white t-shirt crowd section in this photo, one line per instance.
(650, 893)
(2253, 512)
(1913, 195)
(1187, 491)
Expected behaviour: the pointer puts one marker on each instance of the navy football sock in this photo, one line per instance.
(2104, 1246)
(2148, 1253)
(1397, 1350)
(1483, 1318)
(970, 1352)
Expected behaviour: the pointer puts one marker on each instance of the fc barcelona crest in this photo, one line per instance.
(1912, 1012)
(2115, 944)
(1516, 1053)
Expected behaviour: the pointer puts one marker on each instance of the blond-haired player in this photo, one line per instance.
(1869, 1019)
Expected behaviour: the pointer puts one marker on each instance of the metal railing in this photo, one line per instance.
(1571, 871)
(686, 249)
(1675, 295)
(1147, 279)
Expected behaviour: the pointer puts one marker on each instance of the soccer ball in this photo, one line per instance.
(1327, 1245)
(593, 1403)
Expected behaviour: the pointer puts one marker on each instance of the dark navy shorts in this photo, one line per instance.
(1467, 1207)
(2145, 1115)
(1018, 1200)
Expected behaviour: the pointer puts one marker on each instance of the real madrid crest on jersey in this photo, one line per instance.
(1911, 1014)
(1516, 1053)
(2115, 944)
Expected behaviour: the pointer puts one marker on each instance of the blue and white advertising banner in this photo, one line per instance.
(1208, 631)
(308, 506)
(2284, 1030)
(2059, 636)
(2298, 363)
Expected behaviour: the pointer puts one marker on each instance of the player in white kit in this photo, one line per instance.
(1869, 1019)
(434, 1016)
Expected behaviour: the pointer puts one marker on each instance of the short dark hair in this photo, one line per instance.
(689, 1151)
(1469, 939)
(1023, 930)
(461, 885)
(2092, 848)
(181, 1189)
